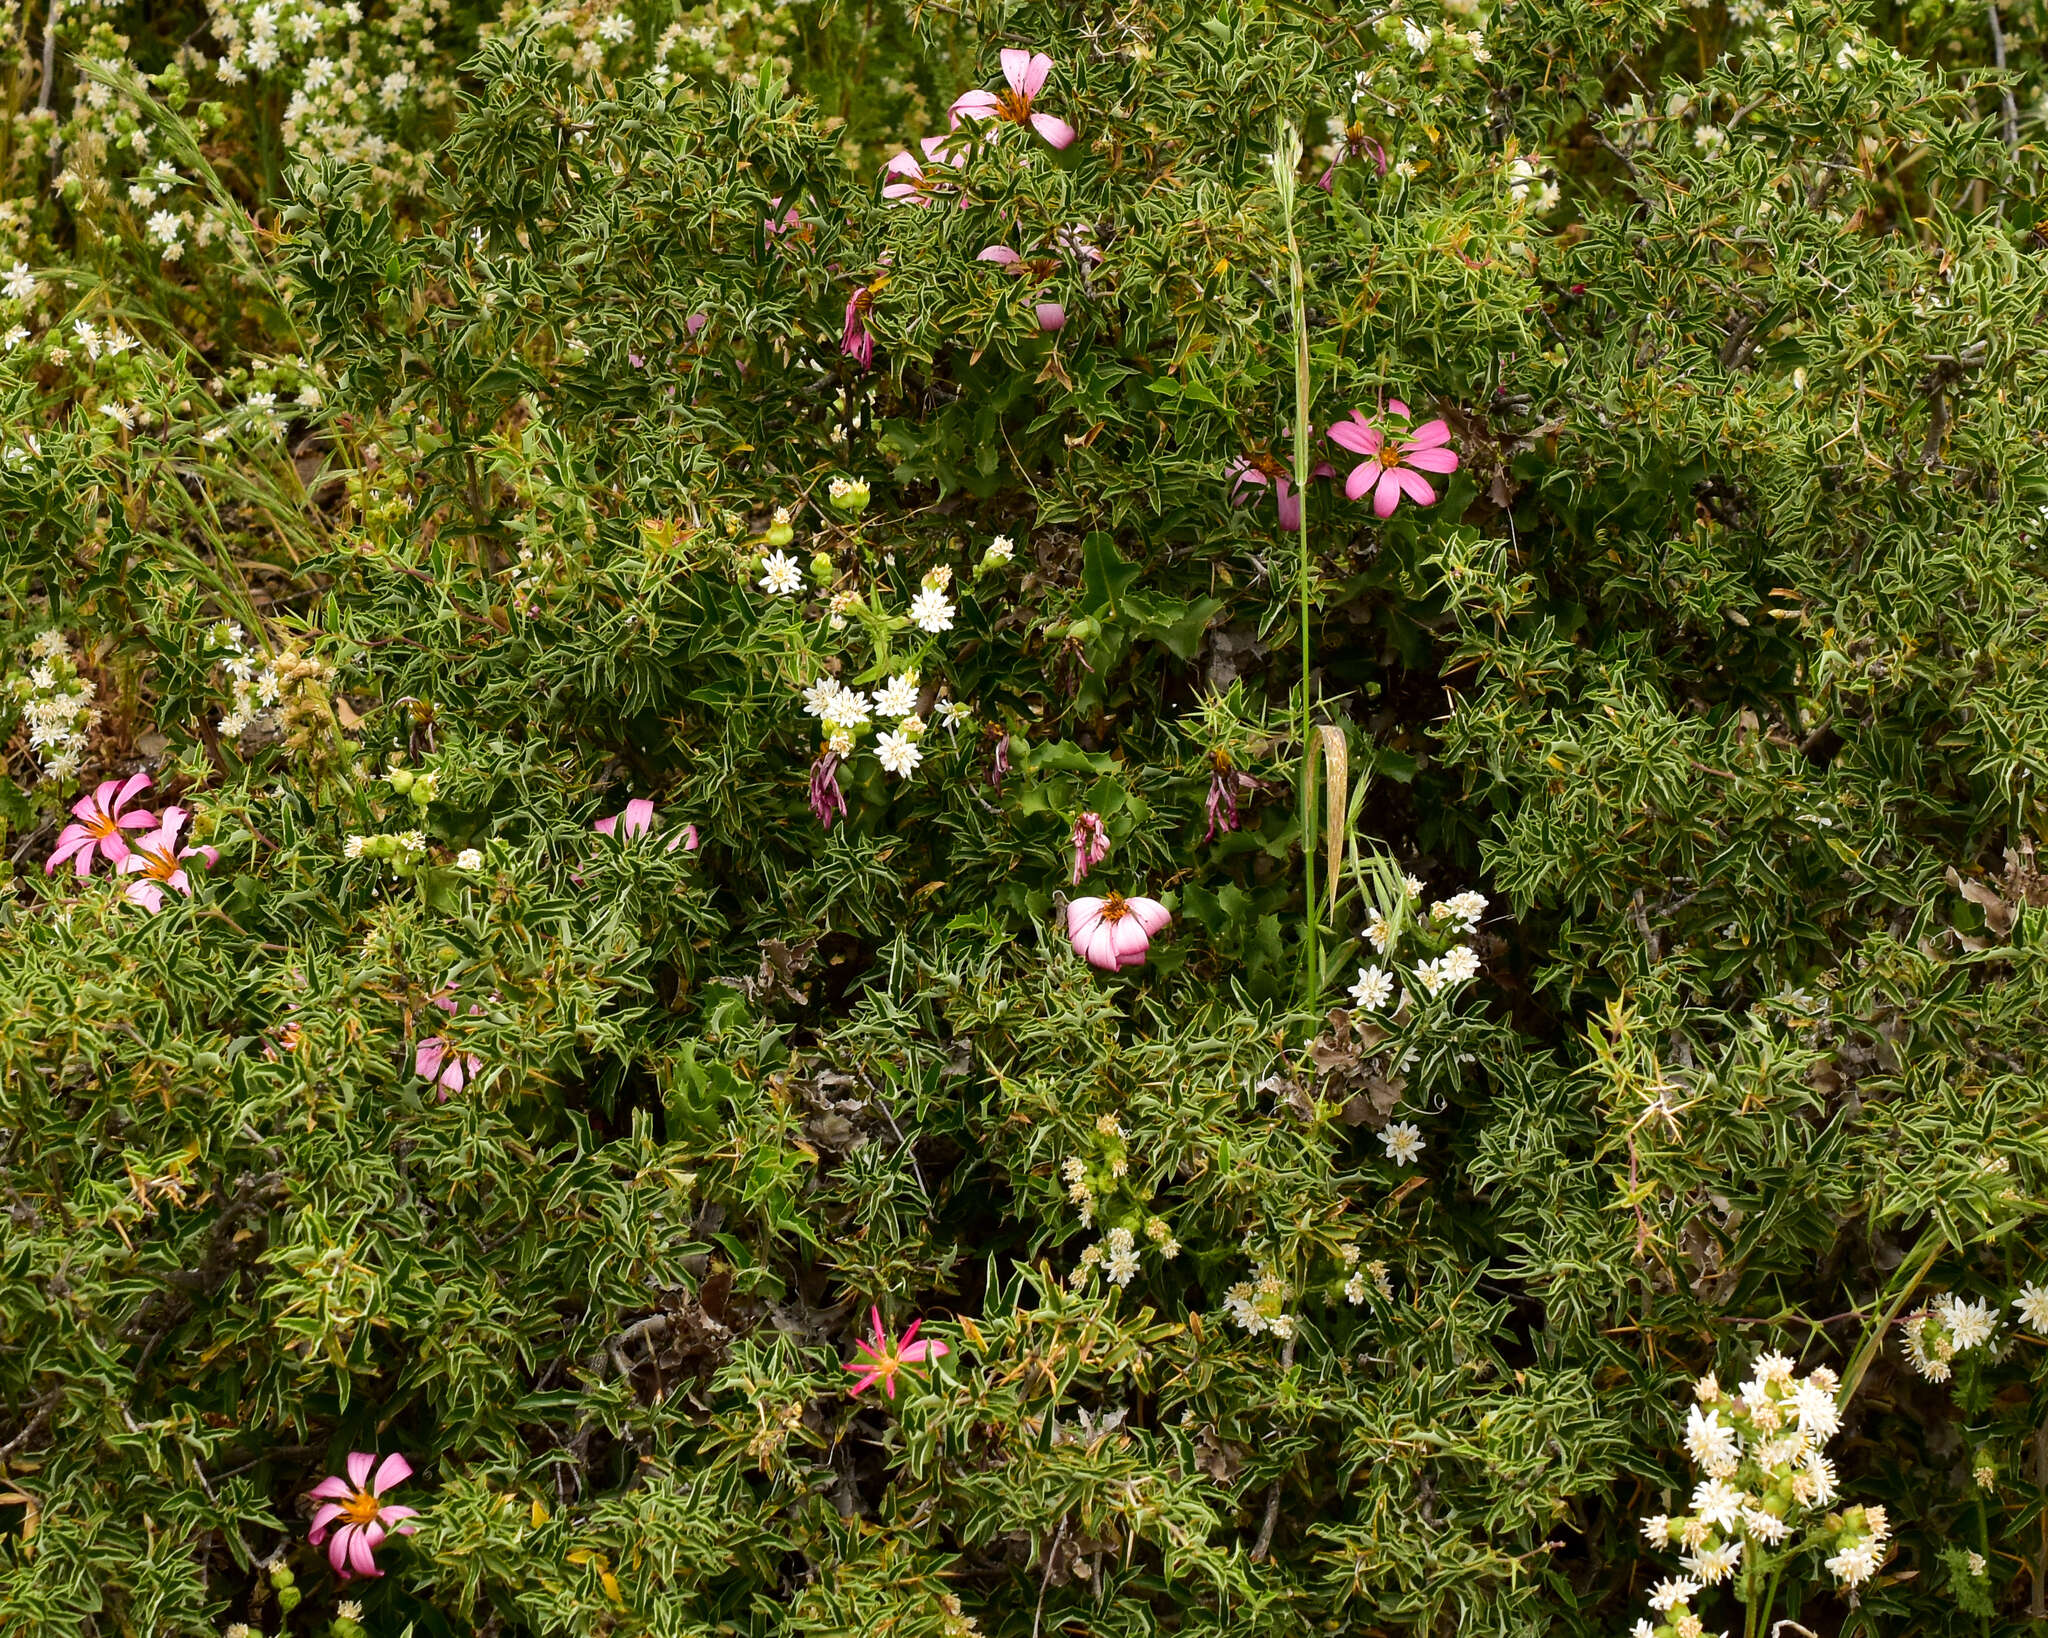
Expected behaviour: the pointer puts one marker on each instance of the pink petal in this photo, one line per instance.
(1415, 484)
(210, 854)
(1358, 435)
(1430, 460)
(1430, 432)
(326, 1516)
(359, 1559)
(1056, 131)
(639, 816)
(1081, 914)
(604, 827)
(1099, 949)
(102, 800)
(70, 842)
(394, 1469)
(392, 1519)
(1363, 477)
(975, 105)
(1322, 469)
(903, 165)
(868, 1376)
(935, 147)
(136, 819)
(137, 784)
(173, 822)
(1051, 316)
(337, 1549)
(1019, 68)
(1245, 473)
(147, 894)
(690, 840)
(177, 879)
(999, 253)
(1131, 941)
(1398, 407)
(1387, 495)
(920, 1352)
(426, 1060)
(358, 1466)
(336, 1487)
(1288, 503)
(1149, 914)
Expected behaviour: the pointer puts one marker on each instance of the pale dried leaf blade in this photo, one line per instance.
(1336, 800)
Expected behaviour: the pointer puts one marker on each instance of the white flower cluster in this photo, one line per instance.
(1948, 1326)
(1763, 1451)
(1459, 915)
(1258, 1305)
(1364, 1277)
(252, 680)
(1116, 1254)
(56, 705)
(1529, 183)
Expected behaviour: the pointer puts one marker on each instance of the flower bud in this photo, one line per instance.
(823, 570)
(848, 495)
(779, 532)
(401, 780)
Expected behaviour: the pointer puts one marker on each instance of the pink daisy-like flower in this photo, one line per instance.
(158, 862)
(434, 1060)
(364, 1517)
(883, 1355)
(100, 819)
(1026, 72)
(637, 819)
(906, 182)
(1395, 459)
(1114, 932)
(1050, 314)
(1260, 469)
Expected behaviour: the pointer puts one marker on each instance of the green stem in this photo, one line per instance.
(1286, 157)
(1935, 1239)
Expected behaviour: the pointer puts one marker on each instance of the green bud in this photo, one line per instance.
(780, 534)
(848, 495)
(401, 780)
(288, 1598)
(281, 1576)
(1084, 630)
(823, 570)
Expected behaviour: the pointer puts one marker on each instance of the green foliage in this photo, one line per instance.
(428, 434)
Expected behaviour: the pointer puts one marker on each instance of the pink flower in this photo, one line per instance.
(1051, 315)
(854, 340)
(1114, 932)
(1091, 844)
(788, 222)
(883, 1355)
(828, 801)
(1354, 144)
(637, 819)
(1026, 71)
(434, 1060)
(999, 763)
(100, 821)
(365, 1518)
(1225, 786)
(911, 186)
(1261, 469)
(159, 861)
(1395, 465)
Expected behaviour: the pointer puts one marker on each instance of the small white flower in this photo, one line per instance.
(898, 696)
(955, 712)
(165, 226)
(1378, 933)
(21, 284)
(1403, 1141)
(1970, 1324)
(469, 859)
(14, 337)
(122, 413)
(780, 576)
(2032, 1303)
(1657, 1530)
(1709, 139)
(1711, 1442)
(353, 847)
(1374, 989)
(930, 612)
(1418, 38)
(1000, 551)
(615, 28)
(898, 753)
(1718, 1502)
(1715, 1564)
(1668, 1594)
(1856, 1564)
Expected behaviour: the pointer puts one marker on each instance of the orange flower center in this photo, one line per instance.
(1390, 453)
(361, 1508)
(159, 866)
(1015, 108)
(102, 824)
(1114, 908)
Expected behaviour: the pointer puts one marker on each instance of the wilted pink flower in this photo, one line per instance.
(882, 1355)
(1091, 844)
(999, 763)
(364, 1517)
(1354, 144)
(99, 823)
(1259, 470)
(434, 1060)
(1395, 464)
(1226, 784)
(1114, 932)
(695, 323)
(828, 801)
(1026, 71)
(159, 862)
(1051, 315)
(637, 819)
(854, 340)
